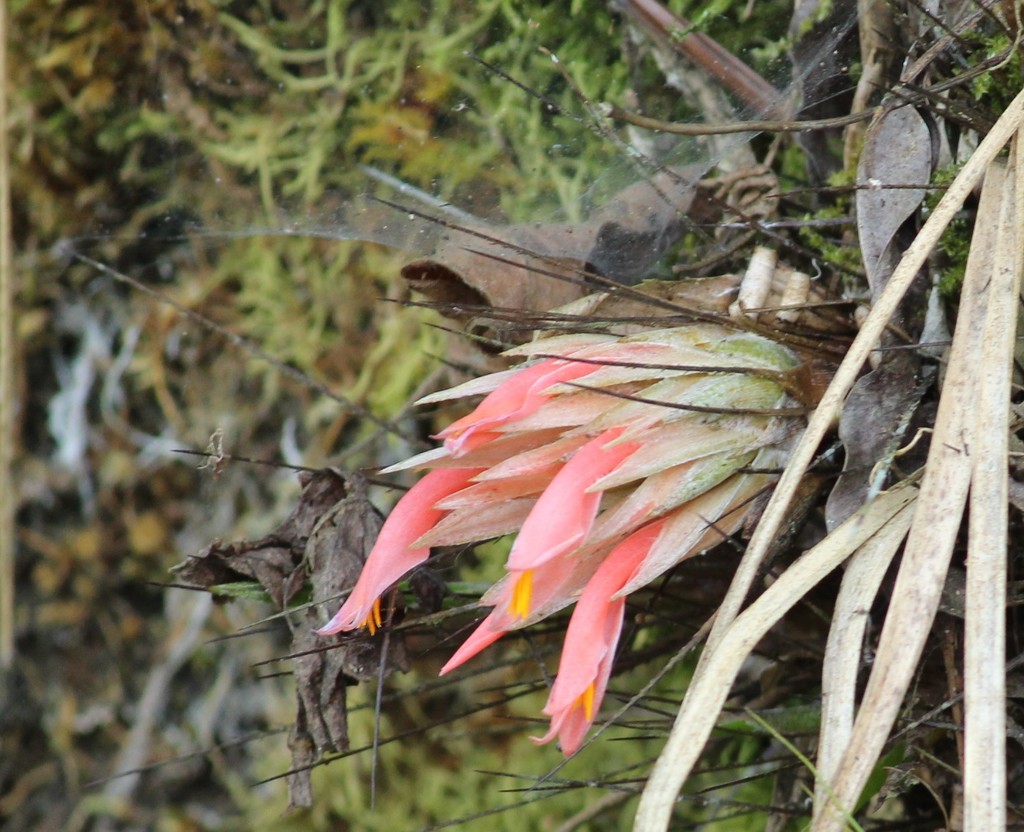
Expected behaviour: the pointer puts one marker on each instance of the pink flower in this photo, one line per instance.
(559, 522)
(392, 555)
(519, 396)
(590, 642)
(611, 473)
(552, 588)
(565, 512)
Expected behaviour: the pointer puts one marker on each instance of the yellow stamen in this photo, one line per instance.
(372, 621)
(521, 594)
(588, 702)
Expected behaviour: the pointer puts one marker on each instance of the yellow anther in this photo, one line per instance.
(522, 593)
(372, 621)
(588, 702)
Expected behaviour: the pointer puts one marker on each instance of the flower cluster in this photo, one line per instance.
(613, 459)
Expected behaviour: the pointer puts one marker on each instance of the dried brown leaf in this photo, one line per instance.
(879, 409)
(325, 666)
(272, 560)
(324, 541)
(874, 423)
(621, 241)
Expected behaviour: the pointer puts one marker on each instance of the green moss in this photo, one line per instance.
(996, 88)
(841, 257)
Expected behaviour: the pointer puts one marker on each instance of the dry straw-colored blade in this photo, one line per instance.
(883, 522)
(843, 654)
(692, 724)
(937, 518)
(985, 609)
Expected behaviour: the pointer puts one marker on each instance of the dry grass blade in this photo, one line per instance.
(937, 519)
(671, 770)
(843, 652)
(887, 516)
(985, 612)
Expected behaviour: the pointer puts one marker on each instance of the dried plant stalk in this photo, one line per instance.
(937, 519)
(864, 574)
(675, 763)
(985, 605)
(886, 518)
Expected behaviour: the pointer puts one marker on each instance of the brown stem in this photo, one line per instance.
(720, 63)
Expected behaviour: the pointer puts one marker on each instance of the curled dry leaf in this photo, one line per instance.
(326, 666)
(324, 541)
(874, 423)
(273, 560)
(476, 266)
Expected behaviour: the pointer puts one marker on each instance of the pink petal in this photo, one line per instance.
(471, 525)
(486, 633)
(584, 408)
(499, 449)
(682, 441)
(554, 587)
(633, 353)
(434, 458)
(698, 525)
(590, 642)
(391, 557)
(565, 512)
(562, 345)
(479, 386)
(663, 492)
(516, 397)
(535, 459)
(505, 488)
